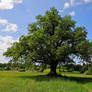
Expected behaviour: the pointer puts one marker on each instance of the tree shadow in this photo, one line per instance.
(60, 78)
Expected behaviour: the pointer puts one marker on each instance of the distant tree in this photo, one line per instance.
(2, 66)
(78, 67)
(88, 71)
(51, 40)
(83, 69)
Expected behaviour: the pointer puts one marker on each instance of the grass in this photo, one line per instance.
(13, 81)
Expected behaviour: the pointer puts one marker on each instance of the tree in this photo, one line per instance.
(51, 40)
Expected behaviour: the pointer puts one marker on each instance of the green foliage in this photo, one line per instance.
(77, 67)
(89, 72)
(51, 40)
(21, 70)
(84, 69)
(7, 68)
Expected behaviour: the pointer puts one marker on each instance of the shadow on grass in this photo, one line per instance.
(65, 78)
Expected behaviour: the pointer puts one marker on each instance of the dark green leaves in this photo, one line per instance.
(52, 38)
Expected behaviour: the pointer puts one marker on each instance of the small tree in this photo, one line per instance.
(52, 39)
(89, 71)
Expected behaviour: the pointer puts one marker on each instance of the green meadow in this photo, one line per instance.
(14, 81)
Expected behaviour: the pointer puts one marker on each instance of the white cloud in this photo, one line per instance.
(72, 2)
(3, 21)
(87, 1)
(66, 5)
(5, 42)
(61, 10)
(9, 27)
(17, 1)
(8, 4)
(72, 13)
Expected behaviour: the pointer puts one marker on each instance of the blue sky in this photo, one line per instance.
(15, 15)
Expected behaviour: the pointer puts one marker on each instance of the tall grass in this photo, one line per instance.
(37, 82)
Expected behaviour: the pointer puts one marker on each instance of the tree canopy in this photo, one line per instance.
(51, 40)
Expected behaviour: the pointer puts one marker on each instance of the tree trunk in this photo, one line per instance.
(53, 70)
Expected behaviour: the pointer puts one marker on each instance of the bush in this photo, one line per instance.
(7, 68)
(1, 69)
(70, 70)
(84, 69)
(21, 70)
(77, 67)
(89, 72)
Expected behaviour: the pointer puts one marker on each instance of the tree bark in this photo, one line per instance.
(53, 69)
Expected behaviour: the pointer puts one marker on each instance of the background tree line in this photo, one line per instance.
(21, 67)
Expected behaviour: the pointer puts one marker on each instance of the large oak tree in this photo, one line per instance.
(51, 40)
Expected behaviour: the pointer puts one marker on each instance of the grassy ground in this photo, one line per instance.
(14, 81)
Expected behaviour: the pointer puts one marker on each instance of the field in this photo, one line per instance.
(13, 81)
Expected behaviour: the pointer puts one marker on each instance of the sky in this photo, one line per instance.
(15, 15)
